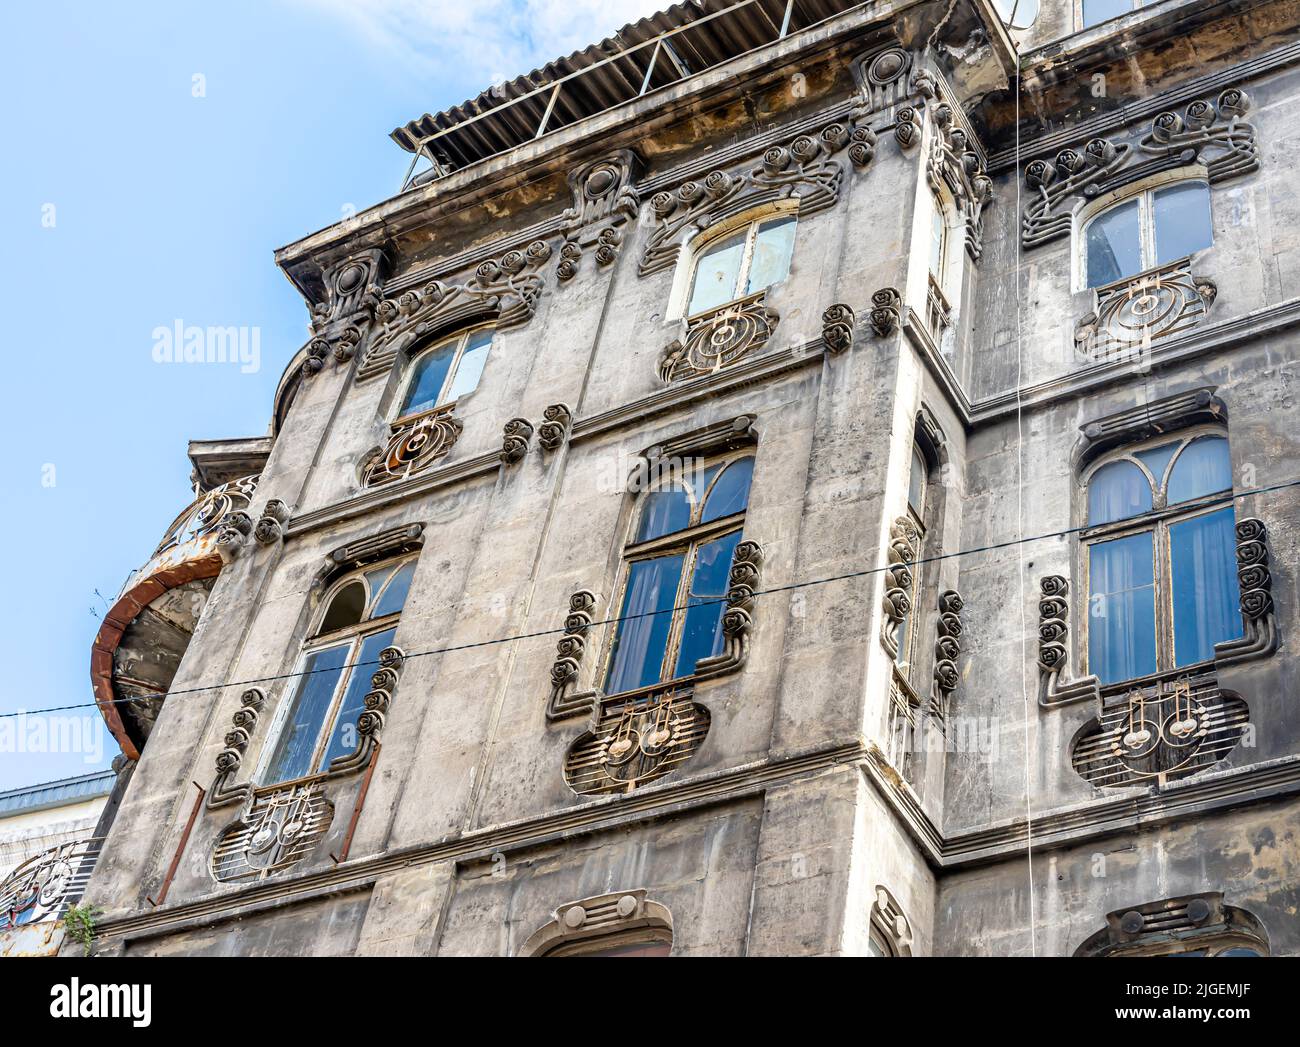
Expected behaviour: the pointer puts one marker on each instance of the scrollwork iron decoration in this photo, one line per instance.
(414, 446)
(719, 337)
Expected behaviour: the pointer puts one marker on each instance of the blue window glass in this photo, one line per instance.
(702, 634)
(424, 391)
(1097, 11)
(1116, 492)
(311, 702)
(664, 512)
(1121, 608)
(1181, 215)
(343, 736)
(393, 597)
(730, 494)
(642, 638)
(773, 249)
(1203, 558)
(1203, 468)
(1114, 244)
(1156, 459)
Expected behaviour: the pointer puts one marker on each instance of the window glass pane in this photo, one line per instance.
(347, 607)
(426, 383)
(1122, 609)
(1182, 219)
(391, 599)
(1203, 468)
(1114, 245)
(916, 482)
(773, 247)
(702, 635)
(1239, 950)
(731, 493)
(664, 512)
(716, 274)
(470, 368)
(1095, 11)
(1157, 460)
(640, 643)
(1017, 14)
(1207, 608)
(302, 726)
(343, 735)
(1116, 492)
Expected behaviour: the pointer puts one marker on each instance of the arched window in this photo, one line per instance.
(359, 620)
(1017, 14)
(741, 262)
(445, 371)
(1148, 230)
(677, 573)
(1161, 557)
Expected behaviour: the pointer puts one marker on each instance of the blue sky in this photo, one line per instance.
(133, 196)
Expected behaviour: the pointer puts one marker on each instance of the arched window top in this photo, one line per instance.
(741, 259)
(1017, 14)
(367, 596)
(1165, 472)
(700, 496)
(445, 370)
(1146, 230)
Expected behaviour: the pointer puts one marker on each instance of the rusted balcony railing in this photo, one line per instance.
(44, 886)
(205, 513)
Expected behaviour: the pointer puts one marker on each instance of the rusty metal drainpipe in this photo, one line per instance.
(356, 807)
(180, 848)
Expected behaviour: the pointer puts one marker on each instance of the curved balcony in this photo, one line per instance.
(144, 635)
(43, 887)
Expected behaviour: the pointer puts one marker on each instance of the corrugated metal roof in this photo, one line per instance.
(55, 794)
(510, 114)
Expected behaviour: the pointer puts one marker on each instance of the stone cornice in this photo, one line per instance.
(1002, 841)
(1143, 109)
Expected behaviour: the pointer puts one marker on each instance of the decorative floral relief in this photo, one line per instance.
(1215, 135)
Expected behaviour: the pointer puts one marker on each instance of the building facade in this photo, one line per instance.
(794, 478)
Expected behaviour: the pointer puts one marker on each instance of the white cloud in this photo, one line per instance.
(501, 38)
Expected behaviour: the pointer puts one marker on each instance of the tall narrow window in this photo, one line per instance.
(916, 490)
(445, 371)
(677, 573)
(359, 621)
(1147, 231)
(1161, 548)
(741, 264)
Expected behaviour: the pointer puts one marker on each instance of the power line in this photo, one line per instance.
(561, 631)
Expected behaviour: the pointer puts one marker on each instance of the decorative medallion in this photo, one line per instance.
(1130, 314)
(719, 337)
(43, 886)
(414, 445)
(277, 829)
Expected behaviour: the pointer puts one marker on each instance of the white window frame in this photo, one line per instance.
(1144, 190)
(696, 246)
(462, 339)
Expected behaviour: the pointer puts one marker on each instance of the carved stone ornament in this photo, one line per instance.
(837, 328)
(557, 420)
(1213, 135)
(886, 311)
(514, 440)
(1054, 648)
(341, 320)
(569, 650)
(888, 918)
(806, 169)
(1130, 314)
(385, 545)
(604, 201)
(954, 167)
(233, 535)
(947, 646)
(270, 526)
(242, 724)
(907, 130)
(505, 289)
(414, 446)
(883, 78)
(719, 337)
(1200, 922)
(603, 916)
(1259, 625)
(208, 513)
(277, 829)
(1160, 732)
(903, 551)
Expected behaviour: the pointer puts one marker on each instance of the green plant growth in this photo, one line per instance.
(79, 923)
